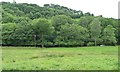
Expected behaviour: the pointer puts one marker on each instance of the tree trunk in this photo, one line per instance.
(95, 41)
(35, 40)
(42, 41)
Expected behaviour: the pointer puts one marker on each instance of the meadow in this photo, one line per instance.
(78, 58)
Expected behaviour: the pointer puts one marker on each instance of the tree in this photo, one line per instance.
(46, 5)
(72, 35)
(118, 29)
(59, 20)
(109, 35)
(17, 20)
(8, 33)
(87, 14)
(85, 21)
(95, 30)
(7, 18)
(43, 28)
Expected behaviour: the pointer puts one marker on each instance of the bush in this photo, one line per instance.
(90, 44)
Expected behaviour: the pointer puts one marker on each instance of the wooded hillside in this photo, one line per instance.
(54, 25)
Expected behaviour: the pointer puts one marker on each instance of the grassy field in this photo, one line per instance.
(79, 58)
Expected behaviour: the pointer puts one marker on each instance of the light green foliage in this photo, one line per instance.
(95, 30)
(42, 26)
(80, 58)
(90, 44)
(8, 32)
(109, 35)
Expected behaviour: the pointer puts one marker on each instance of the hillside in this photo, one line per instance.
(55, 25)
(33, 11)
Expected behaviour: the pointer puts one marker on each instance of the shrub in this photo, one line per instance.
(90, 44)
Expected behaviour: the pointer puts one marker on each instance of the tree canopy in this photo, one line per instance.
(54, 25)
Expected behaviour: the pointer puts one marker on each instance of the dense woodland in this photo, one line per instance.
(54, 25)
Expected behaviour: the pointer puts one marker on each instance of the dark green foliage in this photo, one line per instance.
(72, 34)
(59, 20)
(55, 25)
(43, 28)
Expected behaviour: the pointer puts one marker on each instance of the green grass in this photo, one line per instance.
(79, 58)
